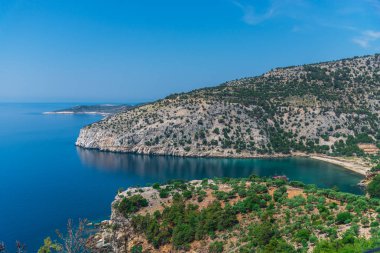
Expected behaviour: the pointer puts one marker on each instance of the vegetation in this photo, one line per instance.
(131, 205)
(74, 240)
(50, 246)
(374, 187)
(182, 224)
(255, 215)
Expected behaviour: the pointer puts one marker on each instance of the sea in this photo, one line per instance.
(46, 180)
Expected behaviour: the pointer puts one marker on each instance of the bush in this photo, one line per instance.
(262, 233)
(357, 246)
(156, 186)
(343, 218)
(216, 131)
(164, 193)
(278, 245)
(131, 205)
(187, 194)
(303, 235)
(376, 168)
(183, 234)
(136, 249)
(216, 247)
(374, 187)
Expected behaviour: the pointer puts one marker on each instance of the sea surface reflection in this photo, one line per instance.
(151, 168)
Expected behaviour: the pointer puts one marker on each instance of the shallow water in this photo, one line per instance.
(45, 179)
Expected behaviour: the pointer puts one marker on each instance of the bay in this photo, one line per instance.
(45, 179)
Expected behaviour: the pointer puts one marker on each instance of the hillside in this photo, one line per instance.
(328, 107)
(238, 215)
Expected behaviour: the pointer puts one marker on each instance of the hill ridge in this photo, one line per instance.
(326, 108)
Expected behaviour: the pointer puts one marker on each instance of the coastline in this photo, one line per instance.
(354, 164)
(77, 113)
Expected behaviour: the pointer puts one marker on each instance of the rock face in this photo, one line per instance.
(310, 108)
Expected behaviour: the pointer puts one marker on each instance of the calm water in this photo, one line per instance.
(45, 179)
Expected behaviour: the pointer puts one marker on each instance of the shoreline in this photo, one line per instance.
(357, 166)
(76, 113)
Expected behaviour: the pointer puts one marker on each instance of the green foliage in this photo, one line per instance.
(343, 218)
(216, 247)
(131, 204)
(271, 223)
(216, 131)
(374, 187)
(357, 245)
(278, 245)
(181, 223)
(136, 249)
(350, 147)
(50, 246)
(156, 186)
(375, 168)
(303, 235)
(164, 193)
(183, 234)
(187, 194)
(262, 233)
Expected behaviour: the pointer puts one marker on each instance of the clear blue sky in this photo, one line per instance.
(139, 50)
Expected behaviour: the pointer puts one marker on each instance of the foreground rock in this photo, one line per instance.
(238, 215)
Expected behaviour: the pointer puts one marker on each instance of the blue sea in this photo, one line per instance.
(45, 179)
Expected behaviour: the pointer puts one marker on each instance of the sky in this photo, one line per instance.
(140, 50)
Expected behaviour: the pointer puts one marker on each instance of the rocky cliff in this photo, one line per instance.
(324, 108)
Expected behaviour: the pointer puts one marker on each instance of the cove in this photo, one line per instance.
(46, 180)
(153, 168)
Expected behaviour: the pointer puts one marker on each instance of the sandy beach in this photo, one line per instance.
(354, 164)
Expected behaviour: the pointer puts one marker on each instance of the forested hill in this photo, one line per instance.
(326, 107)
(239, 215)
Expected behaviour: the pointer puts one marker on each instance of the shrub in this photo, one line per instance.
(216, 247)
(262, 233)
(183, 234)
(136, 249)
(216, 131)
(132, 204)
(278, 245)
(343, 218)
(303, 235)
(164, 193)
(374, 187)
(187, 194)
(156, 186)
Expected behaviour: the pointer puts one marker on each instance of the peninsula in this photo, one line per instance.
(330, 108)
(102, 109)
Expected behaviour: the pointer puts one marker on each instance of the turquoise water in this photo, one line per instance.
(45, 179)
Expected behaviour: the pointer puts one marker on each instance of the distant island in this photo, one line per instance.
(102, 109)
